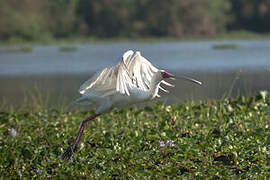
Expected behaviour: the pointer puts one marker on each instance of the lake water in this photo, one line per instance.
(55, 72)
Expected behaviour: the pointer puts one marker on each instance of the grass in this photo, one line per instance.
(213, 139)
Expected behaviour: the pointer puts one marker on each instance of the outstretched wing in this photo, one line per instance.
(140, 70)
(132, 70)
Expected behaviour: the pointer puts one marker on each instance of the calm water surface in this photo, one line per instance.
(48, 71)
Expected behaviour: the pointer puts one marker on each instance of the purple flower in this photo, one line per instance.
(39, 171)
(168, 143)
(12, 132)
(161, 144)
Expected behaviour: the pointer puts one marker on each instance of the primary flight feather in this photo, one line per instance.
(132, 70)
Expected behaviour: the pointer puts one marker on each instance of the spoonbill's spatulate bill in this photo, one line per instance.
(189, 79)
(133, 80)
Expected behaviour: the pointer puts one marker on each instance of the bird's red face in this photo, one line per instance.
(166, 75)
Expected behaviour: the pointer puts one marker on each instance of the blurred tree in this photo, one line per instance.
(23, 19)
(251, 15)
(37, 19)
(105, 17)
(181, 17)
(62, 17)
(159, 18)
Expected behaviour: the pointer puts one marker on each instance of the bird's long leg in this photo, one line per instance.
(70, 150)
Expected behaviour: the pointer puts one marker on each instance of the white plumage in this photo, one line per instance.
(134, 79)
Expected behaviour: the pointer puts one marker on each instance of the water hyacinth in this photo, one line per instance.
(39, 172)
(168, 143)
(12, 132)
(207, 141)
(161, 144)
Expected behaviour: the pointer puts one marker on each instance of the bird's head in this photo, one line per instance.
(166, 75)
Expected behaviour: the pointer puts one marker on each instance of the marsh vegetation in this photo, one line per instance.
(227, 138)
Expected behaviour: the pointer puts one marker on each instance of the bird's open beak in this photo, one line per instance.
(171, 76)
(189, 79)
(166, 75)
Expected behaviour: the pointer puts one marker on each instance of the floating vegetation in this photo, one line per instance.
(16, 49)
(225, 139)
(226, 46)
(68, 49)
(26, 49)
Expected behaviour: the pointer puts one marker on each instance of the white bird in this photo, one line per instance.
(133, 80)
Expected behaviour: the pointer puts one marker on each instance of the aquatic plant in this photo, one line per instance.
(226, 46)
(228, 138)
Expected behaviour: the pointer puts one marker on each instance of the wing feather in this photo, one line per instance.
(132, 70)
(142, 70)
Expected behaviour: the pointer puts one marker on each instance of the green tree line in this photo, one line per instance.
(39, 19)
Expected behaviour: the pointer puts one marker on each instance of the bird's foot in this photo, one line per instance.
(67, 155)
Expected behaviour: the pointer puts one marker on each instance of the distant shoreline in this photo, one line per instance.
(233, 35)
